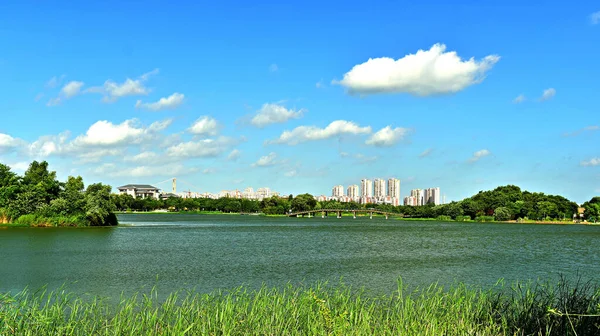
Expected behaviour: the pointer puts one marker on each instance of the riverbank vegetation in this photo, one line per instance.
(506, 203)
(522, 309)
(38, 199)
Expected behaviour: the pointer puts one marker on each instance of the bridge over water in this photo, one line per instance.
(338, 212)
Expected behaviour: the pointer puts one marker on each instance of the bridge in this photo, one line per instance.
(338, 212)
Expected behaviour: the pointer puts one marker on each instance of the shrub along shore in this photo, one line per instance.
(521, 309)
(38, 199)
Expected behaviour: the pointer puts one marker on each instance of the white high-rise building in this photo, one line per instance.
(353, 192)
(337, 191)
(394, 188)
(379, 189)
(419, 194)
(432, 195)
(366, 187)
(249, 193)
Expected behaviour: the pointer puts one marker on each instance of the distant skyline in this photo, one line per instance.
(300, 96)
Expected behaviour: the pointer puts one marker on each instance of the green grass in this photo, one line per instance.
(532, 309)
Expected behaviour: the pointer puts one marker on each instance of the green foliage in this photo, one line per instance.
(521, 309)
(443, 218)
(484, 219)
(463, 218)
(502, 214)
(38, 199)
(592, 209)
(304, 202)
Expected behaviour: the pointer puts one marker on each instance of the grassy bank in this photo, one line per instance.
(536, 309)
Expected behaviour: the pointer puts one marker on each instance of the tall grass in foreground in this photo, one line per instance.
(532, 309)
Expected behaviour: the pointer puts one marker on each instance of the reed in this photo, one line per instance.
(521, 309)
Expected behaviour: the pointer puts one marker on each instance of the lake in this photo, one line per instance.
(208, 252)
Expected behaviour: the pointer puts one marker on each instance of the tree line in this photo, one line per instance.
(503, 203)
(38, 199)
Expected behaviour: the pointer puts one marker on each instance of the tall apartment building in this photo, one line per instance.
(410, 200)
(379, 189)
(419, 194)
(353, 192)
(394, 188)
(432, 195)
(366, 187)
(337, 191)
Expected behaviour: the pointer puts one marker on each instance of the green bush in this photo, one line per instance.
(463, 218)
(484, 218)
(444, 218)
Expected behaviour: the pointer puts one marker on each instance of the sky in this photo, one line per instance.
(302, 96)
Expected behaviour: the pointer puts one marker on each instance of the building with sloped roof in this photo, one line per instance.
(140, 190)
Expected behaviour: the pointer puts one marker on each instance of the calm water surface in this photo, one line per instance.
(209, 252)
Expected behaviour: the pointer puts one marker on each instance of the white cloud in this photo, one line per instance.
(49, 145)
(548, 94)
(202, 148)
(311, 133)
(591, 162)
(595, 18)
(208, 171)
(234, 155)
(387, 136)
(8, 143)
(53, 82)
(274, 114)
(426, 73)
(426, 153)
(206, 126)
(520, 98)
(142, 157)
(267, 160)
(130, 87)
(165, 103)
(291, 173)
(479, 154)
(112, 170)
(98, 154)
(592, 128)
(273, 68)
(105, 133)
(19, 167)
(70, 90)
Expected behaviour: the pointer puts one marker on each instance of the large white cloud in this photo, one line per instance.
(165, 103)
(426, 73)
(274, 114)
(8, 143)
(105, 133)
(595, 18)
(205, 126)
(310, 133)
(387, 136)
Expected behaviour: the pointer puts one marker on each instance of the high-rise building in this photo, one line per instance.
(419, 194)
(410, 200)
(337, 191)
(353, 192)
(379, 189)
(432, 195)
(366, 187)
(394, 188)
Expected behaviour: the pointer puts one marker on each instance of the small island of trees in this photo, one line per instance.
(38, 199)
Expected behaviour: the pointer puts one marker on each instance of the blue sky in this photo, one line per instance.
(301, 96)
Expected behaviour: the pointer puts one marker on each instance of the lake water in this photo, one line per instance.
(210, 252)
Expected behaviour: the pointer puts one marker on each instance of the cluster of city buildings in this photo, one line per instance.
(378, 192)
(149, 191)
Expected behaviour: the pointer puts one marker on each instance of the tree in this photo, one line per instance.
(98, 205)
(502, 214)
(303, 202)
